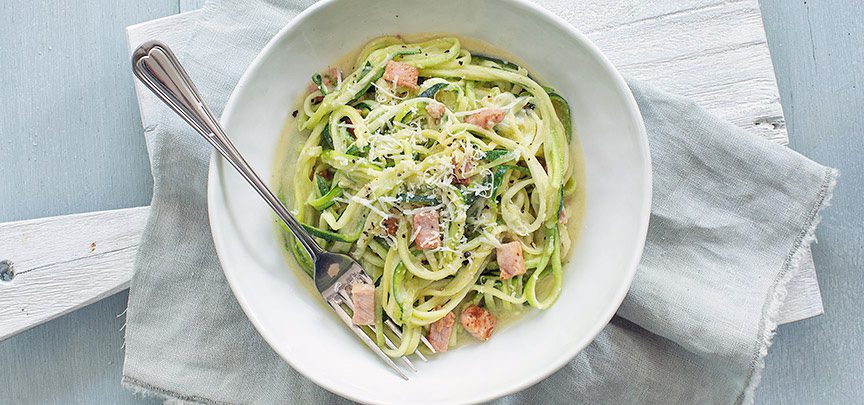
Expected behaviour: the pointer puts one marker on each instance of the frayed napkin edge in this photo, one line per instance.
(777, 293)
(168, 397)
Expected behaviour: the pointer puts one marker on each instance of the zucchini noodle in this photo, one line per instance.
(377, 152)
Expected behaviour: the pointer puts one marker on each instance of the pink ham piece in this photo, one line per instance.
(562, 216)
(402, 74)
(478, 322)
(439, 332)
(426, 230)
(435, 110)
(510, 259)
(391, 225)
(363, 299)
(486, 118)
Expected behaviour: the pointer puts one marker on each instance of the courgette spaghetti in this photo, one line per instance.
(424, 128)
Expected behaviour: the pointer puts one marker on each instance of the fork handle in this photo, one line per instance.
(159, 70)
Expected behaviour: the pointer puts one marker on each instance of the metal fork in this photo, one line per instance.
(159, 70)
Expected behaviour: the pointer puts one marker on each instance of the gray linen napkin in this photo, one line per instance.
(732, 215)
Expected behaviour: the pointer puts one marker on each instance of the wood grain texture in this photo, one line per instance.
(75, 359)
(712, 51)
(189, 5)
(67, 103)
(70, 141)
(65, 263)
(818, 51)
(803, 297)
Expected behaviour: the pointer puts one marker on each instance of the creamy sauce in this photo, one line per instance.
(291, 142)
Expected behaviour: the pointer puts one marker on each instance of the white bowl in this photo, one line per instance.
(279, 299)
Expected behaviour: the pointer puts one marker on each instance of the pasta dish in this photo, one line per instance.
(446, 174)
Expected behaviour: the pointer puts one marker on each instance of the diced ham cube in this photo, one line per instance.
(478, 322)
(391, 225)
(335, 73)
(426, 230)
(510, 259)
(435, 110)
(402, 74)
(439, 332)
(562, 216)
(487, 118)
(363, 298)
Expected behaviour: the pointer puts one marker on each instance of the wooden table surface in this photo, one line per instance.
(71, 141)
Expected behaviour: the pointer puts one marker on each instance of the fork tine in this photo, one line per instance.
(427, 344)
(405, 359)
(346, 299)
(398, 333)
(420, 355)
(397, 330)
(365, 277)
(334, 303)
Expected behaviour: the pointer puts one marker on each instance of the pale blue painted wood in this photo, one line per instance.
(75, 359)
(67, 130)
(189, 5)
(817, 50)
(70, 141)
